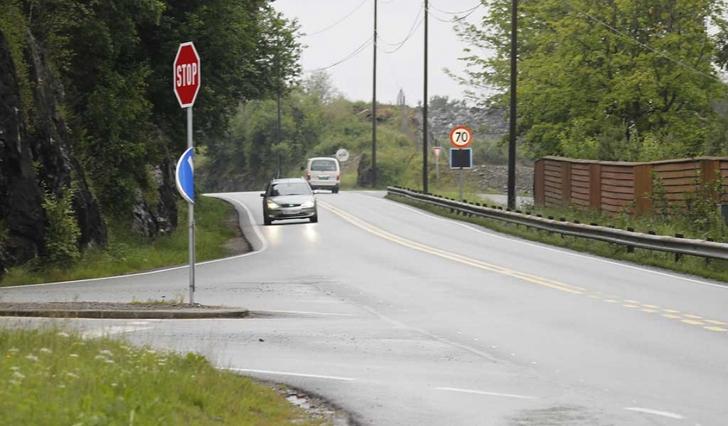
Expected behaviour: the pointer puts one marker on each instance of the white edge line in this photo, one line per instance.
(112, 330)
(159, 271)
(288, 373)
(552, 248)
(655, 412)
(273, 311)
(486, 393)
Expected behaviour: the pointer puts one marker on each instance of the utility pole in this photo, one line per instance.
(512, 124)
(279, 135)
(374, 102)
(278, 129)
(424, 112)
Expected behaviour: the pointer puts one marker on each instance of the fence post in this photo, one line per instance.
(595, 186)
(565, 183)
(709, 172)
(539, 194)
(643, 188)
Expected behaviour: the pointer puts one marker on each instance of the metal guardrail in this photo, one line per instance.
(679, 246)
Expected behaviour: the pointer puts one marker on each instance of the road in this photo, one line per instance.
(402, 317)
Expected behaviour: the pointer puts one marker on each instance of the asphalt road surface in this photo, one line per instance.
(402, 317)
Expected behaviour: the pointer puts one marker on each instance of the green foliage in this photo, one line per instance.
(13, 27)
(615, 80)
(62, 231)
(113, 59)
(701, 212)
(51, 377)
(216, 227)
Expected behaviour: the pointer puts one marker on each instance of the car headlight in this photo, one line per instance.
(272, 205)
(307, 204)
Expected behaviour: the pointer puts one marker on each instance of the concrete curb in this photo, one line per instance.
(127, 314)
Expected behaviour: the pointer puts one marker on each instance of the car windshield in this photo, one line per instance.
(323, 166)
(289, 188)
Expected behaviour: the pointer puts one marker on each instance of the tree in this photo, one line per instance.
(620, 80)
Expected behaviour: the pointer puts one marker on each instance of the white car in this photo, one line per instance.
(323, 173)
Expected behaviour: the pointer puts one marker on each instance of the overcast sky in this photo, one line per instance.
(336, 28)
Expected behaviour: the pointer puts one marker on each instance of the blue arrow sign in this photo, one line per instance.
(185, 176)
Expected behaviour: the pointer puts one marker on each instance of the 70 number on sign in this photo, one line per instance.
(461, 137)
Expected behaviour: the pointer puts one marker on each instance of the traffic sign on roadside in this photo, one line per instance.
(186, 74)
(461, 136)
(436, 150)
(185, 175)
(342, 155)
(461, 158)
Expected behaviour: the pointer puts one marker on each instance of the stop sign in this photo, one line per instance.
(186, 74)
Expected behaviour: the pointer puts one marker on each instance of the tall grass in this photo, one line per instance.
(128, 252)
(50, 377)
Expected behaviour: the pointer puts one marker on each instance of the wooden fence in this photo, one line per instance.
(615, 186)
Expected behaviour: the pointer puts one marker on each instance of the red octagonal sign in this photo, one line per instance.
(186, 74)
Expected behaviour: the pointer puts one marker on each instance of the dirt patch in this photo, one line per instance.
(315, 406)
(134, 306)
(238, 244)
(159, 310)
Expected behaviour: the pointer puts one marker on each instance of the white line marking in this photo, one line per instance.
(486, 393)
(174, 268)
(551, 248)
(109, 331)
(288, 373)
(655, 412)
(273, 311)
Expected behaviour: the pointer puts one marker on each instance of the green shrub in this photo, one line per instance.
(62, 231)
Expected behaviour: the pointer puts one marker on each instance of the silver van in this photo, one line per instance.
(323, 173)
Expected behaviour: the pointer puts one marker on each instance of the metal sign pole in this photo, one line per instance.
(437, 169)
(191, 216)
(460, 183)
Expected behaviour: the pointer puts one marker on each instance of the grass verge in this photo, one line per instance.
(713, 269)
(217, 225)
(50, 377)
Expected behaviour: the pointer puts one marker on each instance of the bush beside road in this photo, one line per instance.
(218, 235)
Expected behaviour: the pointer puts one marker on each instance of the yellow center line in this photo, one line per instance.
(671, 316)
(691, 316)
(534, 279)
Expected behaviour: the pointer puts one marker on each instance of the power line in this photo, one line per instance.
(415, 25)
(454, 18)
(340, 20)
(469, 10)
(351, 55)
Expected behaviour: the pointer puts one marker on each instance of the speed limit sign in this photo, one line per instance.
(461, 137)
